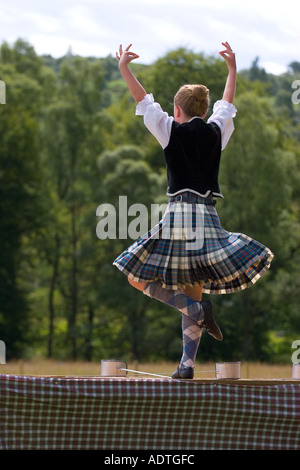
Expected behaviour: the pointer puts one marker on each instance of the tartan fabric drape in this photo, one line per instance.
(189, 246)
(128, 413)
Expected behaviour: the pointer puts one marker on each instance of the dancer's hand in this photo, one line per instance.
(126, 56)
(228, 55)
(230, 86)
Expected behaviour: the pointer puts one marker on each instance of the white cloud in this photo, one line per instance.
(273, 67)
(80, 19)
(61, 44)
(43, 23)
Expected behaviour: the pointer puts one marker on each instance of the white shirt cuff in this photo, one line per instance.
(143, 105)
(223, 114)
(226, 107)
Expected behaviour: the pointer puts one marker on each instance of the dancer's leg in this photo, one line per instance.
(137, 285)
(197, 310)
(194, 292)
(191, 335)
(195, 315)
(176, 299)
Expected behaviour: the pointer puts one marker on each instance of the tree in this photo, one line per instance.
(22, 210)
(69, 139)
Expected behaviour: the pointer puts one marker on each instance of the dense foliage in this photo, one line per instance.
(70, 142)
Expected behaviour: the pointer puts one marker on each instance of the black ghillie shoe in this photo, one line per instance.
(209, 322)
(183, 373)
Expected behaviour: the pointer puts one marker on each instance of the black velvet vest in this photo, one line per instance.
(193, 157)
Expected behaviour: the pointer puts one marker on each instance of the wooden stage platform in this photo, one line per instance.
(134, 413)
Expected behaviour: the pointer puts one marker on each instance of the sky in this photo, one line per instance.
(256, 28)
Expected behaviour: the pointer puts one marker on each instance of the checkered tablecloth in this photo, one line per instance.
(134, 413)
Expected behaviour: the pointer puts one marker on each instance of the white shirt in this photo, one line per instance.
(159, 123)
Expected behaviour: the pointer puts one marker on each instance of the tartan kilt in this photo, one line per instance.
(189, 246)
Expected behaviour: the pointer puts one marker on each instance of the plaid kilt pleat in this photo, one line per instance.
(189, 246)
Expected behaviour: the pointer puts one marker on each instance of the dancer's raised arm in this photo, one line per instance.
(229, 56)
(134, 86)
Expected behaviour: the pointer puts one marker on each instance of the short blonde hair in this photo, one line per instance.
(193, 100)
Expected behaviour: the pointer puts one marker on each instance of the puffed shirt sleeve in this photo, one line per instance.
(223, 114)
(157, 121)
